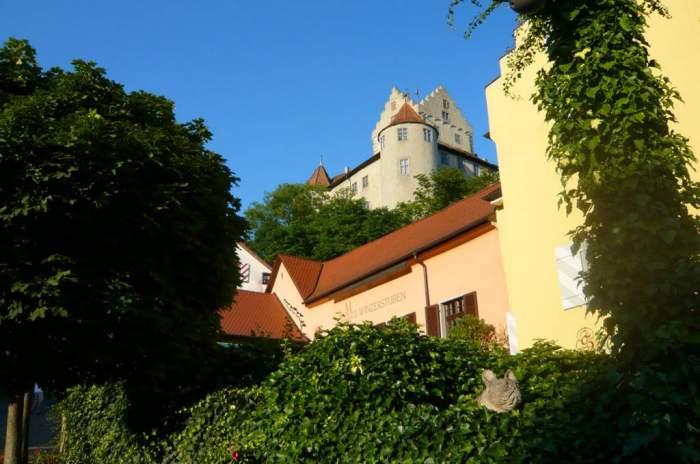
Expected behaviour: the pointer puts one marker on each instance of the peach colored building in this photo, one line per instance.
(432, 271)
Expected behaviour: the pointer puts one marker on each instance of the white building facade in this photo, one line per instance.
(255, 272)
(410, 138)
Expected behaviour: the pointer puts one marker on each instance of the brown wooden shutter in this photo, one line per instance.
(470, 305)
(432, 320)
(411, 318)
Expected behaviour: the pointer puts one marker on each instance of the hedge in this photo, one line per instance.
(359, 394)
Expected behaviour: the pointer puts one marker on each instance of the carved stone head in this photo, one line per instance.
(500, 395)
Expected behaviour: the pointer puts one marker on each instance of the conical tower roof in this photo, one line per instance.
(319, 177)
(406, 114)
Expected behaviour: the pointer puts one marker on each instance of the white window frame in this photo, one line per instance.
(402, 133)
(458, 139)
(381, 142)
(404, 166)
(365, 182)
(427, 134)
(353, 188)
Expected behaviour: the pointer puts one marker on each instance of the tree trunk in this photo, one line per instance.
(26, 415)
(13, 434)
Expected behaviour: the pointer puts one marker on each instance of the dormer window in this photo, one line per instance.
(402, 133)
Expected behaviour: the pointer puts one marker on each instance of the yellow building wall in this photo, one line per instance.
(530, 223)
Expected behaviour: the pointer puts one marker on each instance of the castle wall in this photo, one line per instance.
(455, 131)
(423, 157)
(372, 193)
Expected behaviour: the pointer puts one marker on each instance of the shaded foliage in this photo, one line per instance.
(117, 228)
(113, 423)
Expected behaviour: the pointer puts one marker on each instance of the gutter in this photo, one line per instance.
(425, 278)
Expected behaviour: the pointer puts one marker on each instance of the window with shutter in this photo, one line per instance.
(432, 320)
(411, 318)
(460, 307)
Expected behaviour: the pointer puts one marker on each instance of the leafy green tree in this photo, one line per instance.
(441, 188)
(303, 220)
(117, 229)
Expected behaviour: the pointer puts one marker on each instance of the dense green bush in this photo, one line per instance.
(365, 394)
(97, 430)
(477, 330)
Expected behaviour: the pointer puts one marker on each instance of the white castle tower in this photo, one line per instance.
(409, 139)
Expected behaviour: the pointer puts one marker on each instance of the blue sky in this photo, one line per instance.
(279, 83)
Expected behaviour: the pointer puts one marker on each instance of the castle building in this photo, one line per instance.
(409, 139)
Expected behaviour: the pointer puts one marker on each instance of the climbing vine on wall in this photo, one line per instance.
(622, 165)
(610, 112)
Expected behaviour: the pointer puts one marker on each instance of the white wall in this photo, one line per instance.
(256, 268)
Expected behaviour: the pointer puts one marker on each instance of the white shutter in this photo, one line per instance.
(569, 267)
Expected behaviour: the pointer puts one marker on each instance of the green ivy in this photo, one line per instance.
(370, 395)
(623, 166)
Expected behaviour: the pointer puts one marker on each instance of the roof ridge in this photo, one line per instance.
(446, 208)
(299, 257)
(247, 248)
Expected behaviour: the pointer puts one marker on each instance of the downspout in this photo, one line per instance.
(425, 279)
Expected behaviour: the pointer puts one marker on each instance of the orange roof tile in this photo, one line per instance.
(304, 272)
(406, 114)
(315, 279)
(254, 314)
(402, 243)
(319, 177)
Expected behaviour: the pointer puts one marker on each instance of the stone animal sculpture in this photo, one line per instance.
(500, 395)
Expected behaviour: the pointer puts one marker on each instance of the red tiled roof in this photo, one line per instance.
(303, 272)
(254, 314)
(319, 177)
(406, 114)
(402, 243)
